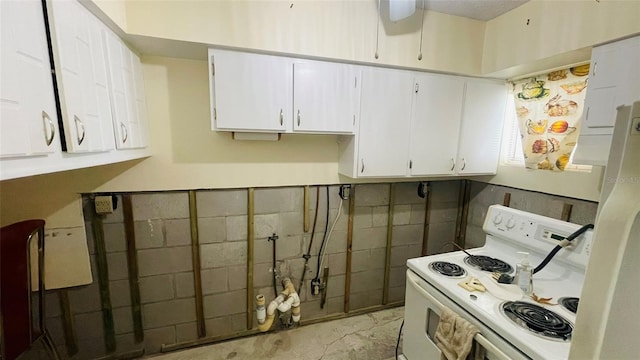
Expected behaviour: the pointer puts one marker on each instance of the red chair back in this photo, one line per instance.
(15, 286)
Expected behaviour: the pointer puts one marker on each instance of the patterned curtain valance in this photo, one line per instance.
(549, 109)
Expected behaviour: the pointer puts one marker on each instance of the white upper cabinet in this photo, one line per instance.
(276, 94)
(80, 58)
(250, 92)
(28, 120)
(481, 128)
(380, 149)
(416, 124)
(435, 124)
(325, 97)
(127, 94)
(614, 80)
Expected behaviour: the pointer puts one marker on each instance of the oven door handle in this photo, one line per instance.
(492, 349)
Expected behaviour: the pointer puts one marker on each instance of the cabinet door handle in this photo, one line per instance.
(52, 129)
(124, 132)
(464, 164)
(362, 168)
(453, 164)
(354, 120)
(215, 114)
(298, 117)
(281, 117)
(586, 116)
(595, 67)
(410, 164)
(79, 126)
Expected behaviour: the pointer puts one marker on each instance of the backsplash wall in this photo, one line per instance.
(165, 273)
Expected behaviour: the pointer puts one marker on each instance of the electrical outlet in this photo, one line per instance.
(344, 191)
(315, 287)
(104, 204)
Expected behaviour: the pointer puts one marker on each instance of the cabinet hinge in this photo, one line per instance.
(417, 88)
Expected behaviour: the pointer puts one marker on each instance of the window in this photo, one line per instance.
(511, 153)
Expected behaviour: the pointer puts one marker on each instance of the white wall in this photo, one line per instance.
(328, 29)
(558, 33)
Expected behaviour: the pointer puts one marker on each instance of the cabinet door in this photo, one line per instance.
(125, 95)
(384, 124)
(82, 77)
(250, 92)
(141, 102)
(613, 81)
(600, 101)
(481, 127)
(435, 124)
(28, 120)
(325, 97)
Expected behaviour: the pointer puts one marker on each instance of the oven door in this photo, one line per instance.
(421, 316)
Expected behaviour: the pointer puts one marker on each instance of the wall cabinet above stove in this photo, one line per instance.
(614, 80)
(425, 125)
(265, 93)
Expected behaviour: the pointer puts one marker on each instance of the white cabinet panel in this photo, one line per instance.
(435, 124)
(28, 120)
(325, 96)
(614, 80)
(127, 94)
(481, 127)
(384, 123)
(82, 77)
(250, 92)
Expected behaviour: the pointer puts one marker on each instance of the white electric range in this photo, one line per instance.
(509, 231)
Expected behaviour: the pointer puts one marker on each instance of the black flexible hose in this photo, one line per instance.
(558, 247)
(398, 343)
(307, 256)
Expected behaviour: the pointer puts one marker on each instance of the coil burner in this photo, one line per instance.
(447, 269)
(540, 321)
(569, 303)
(487, 263)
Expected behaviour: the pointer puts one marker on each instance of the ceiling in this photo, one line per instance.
(474, 9)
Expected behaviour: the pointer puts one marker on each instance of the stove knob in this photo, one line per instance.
(497, 219)
(511, 223)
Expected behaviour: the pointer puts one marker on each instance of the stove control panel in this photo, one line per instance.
(536, 232)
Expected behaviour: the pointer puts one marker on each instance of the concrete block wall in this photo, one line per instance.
(222, 233)
(163, 241)
(281, 211)
(408, 230)
(443, 215)
(483, 195)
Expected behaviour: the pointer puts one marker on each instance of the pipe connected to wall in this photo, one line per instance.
(287, 300)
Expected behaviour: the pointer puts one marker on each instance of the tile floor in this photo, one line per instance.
(371, 336)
